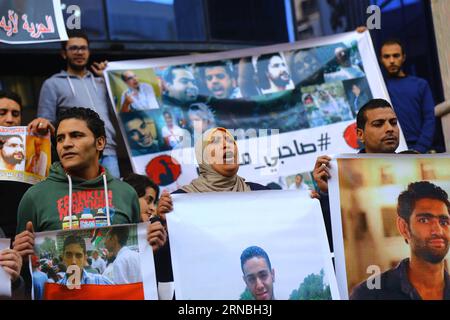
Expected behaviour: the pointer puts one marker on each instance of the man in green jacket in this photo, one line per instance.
(76, 185)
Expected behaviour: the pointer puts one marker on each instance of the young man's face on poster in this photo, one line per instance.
(76, 144)
(140, 132)
(74, 255)
(259, 278)
(428, 231)
(381, 132)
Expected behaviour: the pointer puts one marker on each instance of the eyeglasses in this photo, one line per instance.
(77, 48)
(130, 77)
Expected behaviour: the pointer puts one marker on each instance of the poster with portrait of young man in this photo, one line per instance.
(5, 278)
(104, 263)
(390, 220)
(265, 245)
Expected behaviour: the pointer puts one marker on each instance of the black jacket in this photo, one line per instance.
(394, 285)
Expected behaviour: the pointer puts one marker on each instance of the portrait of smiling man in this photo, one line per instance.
(258, 274)
(273, 73)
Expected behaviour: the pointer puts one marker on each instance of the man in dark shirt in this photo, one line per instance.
(411, 98)
(423, 221)
(377, 129)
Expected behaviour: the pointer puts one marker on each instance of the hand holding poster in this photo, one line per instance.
(222, 243)
(110, 263)
(5, 278)
(24, 157)
(23, 21)
(391, 226)
(285, 104)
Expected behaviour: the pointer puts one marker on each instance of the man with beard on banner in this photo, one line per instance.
(273, 73)
(377, 130)
(423, 221)
(11, 192)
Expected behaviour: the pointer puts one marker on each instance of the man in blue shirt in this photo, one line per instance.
(411, 98)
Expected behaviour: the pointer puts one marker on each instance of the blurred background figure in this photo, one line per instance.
(201, 117)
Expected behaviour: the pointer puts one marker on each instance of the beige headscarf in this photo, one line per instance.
(209, 180)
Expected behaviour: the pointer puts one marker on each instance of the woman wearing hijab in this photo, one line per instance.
(217, 156)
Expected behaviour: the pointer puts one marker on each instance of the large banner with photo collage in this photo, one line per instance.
(286, 104)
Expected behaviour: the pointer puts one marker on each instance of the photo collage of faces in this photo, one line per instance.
(289, 91)
(299, 181)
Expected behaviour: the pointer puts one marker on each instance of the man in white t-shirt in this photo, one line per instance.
(138, 96)
(126, 266)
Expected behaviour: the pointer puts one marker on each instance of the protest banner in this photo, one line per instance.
(263, 245)
(24, 157)
(373, 243)
(24, 22)
(107, 263)
(285, 104)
